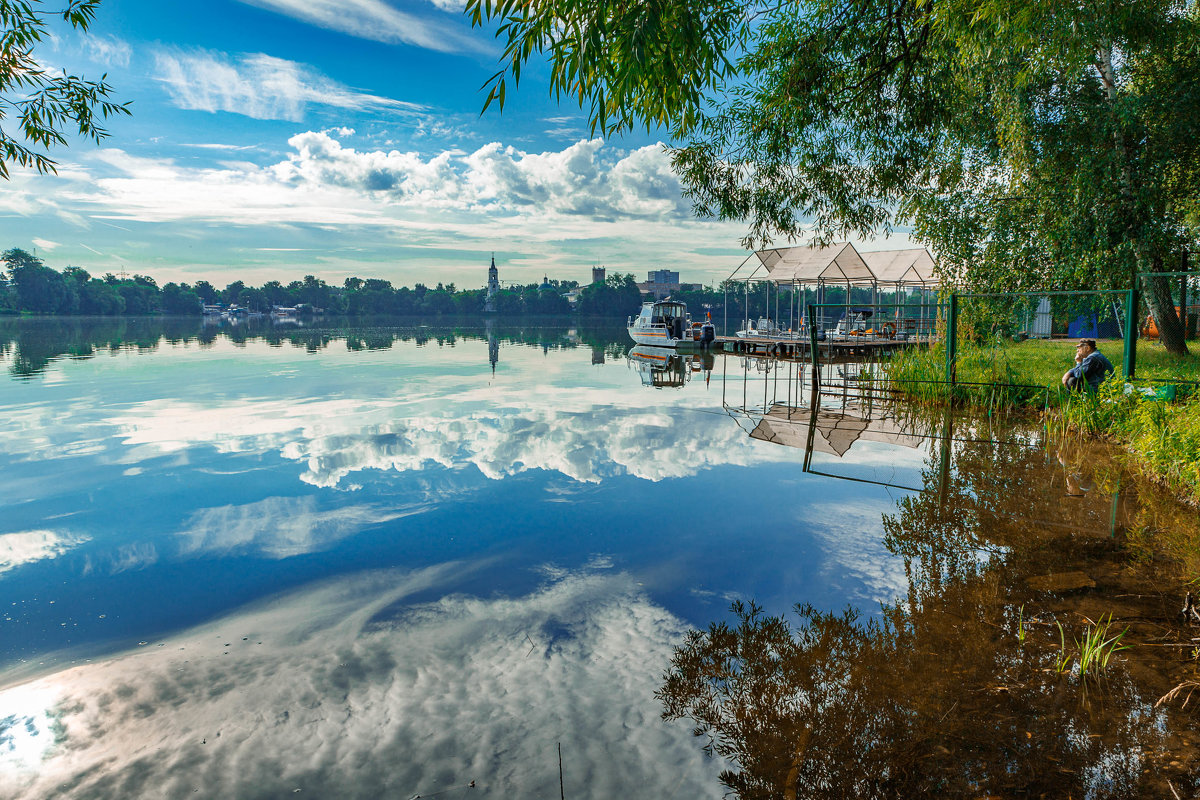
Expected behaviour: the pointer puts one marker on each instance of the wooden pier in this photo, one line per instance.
(834, 349)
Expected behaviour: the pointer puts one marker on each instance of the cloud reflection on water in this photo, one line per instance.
(579, 434)
(347, 697)
(24, 547)
(279, 527)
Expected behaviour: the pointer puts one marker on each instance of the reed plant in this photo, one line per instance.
(1161, 437)
(1097, 646)
(1093, 651)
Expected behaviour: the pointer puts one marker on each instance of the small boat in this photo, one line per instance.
(765, 328)
(666, 323)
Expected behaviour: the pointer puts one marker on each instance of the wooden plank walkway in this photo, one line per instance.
(768, 347)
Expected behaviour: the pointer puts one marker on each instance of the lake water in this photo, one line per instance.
(395, 560)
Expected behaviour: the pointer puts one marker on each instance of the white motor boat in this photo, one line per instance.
(666, 323)
(765, 328)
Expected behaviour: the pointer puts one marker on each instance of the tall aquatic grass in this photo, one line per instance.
(1093, 651)
(1163, 438)
(986, 378)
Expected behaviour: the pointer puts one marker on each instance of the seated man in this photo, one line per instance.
(1091, 367)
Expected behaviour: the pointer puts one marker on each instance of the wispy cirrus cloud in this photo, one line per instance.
(377, 21)
(259, 86)
(108, 50)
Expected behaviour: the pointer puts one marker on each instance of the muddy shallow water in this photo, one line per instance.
(393, 560)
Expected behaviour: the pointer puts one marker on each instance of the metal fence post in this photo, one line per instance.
(952, 340)
(1131, 332)
(812, 343)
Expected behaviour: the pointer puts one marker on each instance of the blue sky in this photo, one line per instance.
(276, 138)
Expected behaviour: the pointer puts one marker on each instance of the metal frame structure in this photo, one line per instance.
(815, 268)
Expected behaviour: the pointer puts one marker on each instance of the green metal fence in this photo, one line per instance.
(1108, 315)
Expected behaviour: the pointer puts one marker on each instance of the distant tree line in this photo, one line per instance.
(27, 284)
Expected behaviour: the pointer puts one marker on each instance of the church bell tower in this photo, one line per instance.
(493, 285)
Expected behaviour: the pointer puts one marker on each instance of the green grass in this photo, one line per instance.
(1162, 439)
(1024, 373)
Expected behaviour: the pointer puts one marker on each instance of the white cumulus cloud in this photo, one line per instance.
(24, 547)
(585, 179)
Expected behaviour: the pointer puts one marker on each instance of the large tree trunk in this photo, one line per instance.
(1158, 288)
(1170, 328)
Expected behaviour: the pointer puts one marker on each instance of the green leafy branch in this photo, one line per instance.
(46, 105)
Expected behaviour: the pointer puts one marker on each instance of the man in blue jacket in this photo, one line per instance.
(1091, 367)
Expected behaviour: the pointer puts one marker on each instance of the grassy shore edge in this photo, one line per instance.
(1160, 438)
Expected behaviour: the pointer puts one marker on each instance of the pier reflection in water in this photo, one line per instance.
(970, 686)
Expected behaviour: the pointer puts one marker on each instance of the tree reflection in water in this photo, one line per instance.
(953, 692)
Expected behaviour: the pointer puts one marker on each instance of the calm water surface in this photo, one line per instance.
(391, 561)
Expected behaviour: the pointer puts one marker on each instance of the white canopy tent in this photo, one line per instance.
(810, 264)
(808, 269)
(910, 267)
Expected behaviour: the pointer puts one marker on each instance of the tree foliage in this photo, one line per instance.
(27, 284)
(1029, 143)
(618, 295)
(46, 106)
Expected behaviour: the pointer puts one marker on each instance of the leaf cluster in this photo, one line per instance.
(632, 64)
(45, 105)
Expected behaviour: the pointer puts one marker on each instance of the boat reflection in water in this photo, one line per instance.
(663, 367)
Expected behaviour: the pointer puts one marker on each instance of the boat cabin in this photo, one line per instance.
(663, 312)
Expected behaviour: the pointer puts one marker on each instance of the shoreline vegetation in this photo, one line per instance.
(1155, 419)
(29, 287)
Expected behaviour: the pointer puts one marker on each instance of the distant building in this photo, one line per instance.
(662, 282)
(493, 286)
(597, 274)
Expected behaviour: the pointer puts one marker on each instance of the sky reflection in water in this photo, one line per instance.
(449, 570)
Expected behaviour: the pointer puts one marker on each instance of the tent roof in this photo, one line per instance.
(809, 263)
(913, 265)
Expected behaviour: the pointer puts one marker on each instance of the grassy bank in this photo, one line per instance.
(1162, 439)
